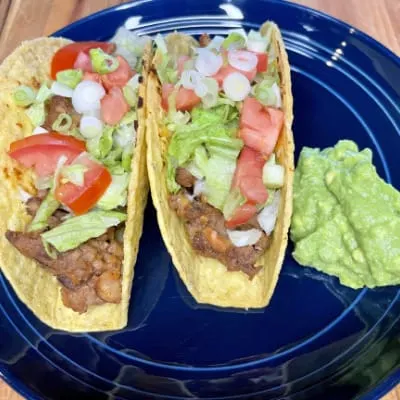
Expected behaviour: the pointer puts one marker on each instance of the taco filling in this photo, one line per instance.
(223, 107)
(85, 122)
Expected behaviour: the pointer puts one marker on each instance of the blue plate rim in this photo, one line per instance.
(385, 385)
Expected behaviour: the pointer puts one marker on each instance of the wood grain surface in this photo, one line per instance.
(26, 19)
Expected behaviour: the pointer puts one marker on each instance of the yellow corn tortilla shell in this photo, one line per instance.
(29, 64)
(206, 278)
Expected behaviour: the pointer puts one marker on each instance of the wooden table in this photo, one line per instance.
(25, 19)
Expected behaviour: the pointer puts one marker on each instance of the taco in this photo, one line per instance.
(73, 177)
(220, 161)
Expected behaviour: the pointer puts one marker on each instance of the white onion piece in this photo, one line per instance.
(278, 96)
(258, 46)
(267, 217)
(199, 187)
(38, 130)
(90, 127)
(59, 89)
(190, 79)
(201, 89)
(242, 60)
(216, 43)
(87, 96)
(236, 86)
(208, 63)
(23, 195)
(244, 238)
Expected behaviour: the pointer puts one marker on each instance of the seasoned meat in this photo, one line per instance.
(81, 298)
(206, 229)
(89, 274)
(58, 105)
(108, 286)
(204, 40)
(184, 178)
(32, 205)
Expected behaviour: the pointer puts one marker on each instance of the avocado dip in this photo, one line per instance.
(346, 219)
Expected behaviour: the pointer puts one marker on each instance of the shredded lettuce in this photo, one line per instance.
(267, 92)
(235, 40)
(77, 230)
(234, 200)
(24, 96)
(36, 113)
(43, 94)
(116, 194)
(46, 209)
(100, 146)
(209, 146)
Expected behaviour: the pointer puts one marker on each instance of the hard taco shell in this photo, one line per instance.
(206, 278)
(29, 64)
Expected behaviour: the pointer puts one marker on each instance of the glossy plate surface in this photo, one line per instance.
(317, 339)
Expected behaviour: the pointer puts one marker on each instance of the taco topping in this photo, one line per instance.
(84, 125)
(223, 107)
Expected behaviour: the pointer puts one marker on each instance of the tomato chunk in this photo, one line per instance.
(44, 158)
(120, 76)
(186, 99)
(80, 199)
(52, 138)
(248, 176)
(262, 64)
(228, 69)
(260, 126)
(65, 57)
(83, 62)
(241, 215)
(113, 106)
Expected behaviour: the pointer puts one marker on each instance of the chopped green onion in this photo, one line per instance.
(102, 62)
(70, 77)
(235, 40)
(62, 123)
(36, 114)
(24, 96)
(43, 94)
(130, 95)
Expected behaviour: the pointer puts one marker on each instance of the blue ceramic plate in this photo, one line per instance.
(317, 339)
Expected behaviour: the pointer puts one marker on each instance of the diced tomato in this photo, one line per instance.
(113, 106)
(80, 199)
(92, 76)
(260, 126)
(83, 62)
(241, 215)
(262, 64)
(65, 57)
(228, 69)
(186, 99)
(44, 158)
(248, 176)
(181, 63)
(120, 76)
(52, 138)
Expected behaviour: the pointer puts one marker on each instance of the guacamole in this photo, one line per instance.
(346, 219)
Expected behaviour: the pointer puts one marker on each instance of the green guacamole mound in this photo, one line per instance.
(346, 219)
